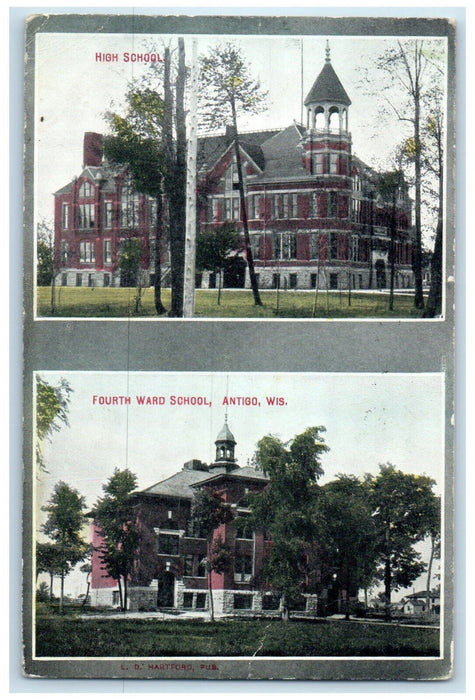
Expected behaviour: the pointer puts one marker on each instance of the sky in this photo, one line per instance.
(73, 92)
(370, 419)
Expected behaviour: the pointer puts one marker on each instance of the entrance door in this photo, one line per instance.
(166, 587)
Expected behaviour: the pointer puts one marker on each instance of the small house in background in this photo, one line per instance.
(416, 603)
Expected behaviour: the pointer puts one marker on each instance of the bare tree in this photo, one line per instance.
(229, 90)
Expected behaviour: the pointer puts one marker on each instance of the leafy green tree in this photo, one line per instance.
(48, 561)
(52, 406)
(130, 263)
(44, 264)
(135, 142)
(208, 512)
(213, 248)
(42, 593)
(47, 263)
(66, 518)
(404, 506)
(286, 507)
(114, 513)
(348, 531)
(229, 90)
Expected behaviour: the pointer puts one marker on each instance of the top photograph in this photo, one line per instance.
(240, 176)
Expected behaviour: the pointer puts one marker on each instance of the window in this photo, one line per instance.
(333, 246)
(313, 246)
(85, 190)
(242, 601)
(276, 280)
(243, 530)
(187, 600)
(319, 163)
(276, 246)
(201, 569)
(86, 216)
(312, 212)
(188, 565)
(293, 206)
(231, 208)
(332, 200)
(252, 208)
(115, 598)
(231, 177)
(289, 246)
(90, 280)
(333, 163)
(255, 245)
(108, 215)
(78, 279)
(64, 252)
(129, 208)
(293, 280)
(64, 279)
(201, 601)
(107, 251)
(107, 279)
(86, 251)
(333, 280)
(243, 567)
(313, 280)
(270, 602)
(168, 544)
(64, 215)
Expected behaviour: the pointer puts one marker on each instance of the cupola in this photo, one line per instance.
(327, 102)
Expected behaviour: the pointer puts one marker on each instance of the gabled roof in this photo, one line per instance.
(105, 173)
(179, 484)
(327, 88)
(283, 156)
(211, 148)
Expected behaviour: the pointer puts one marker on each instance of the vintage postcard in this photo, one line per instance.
(239, 525)
(259, 173)
(238, 347)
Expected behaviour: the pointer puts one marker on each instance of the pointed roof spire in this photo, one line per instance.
(225, 434)
(327, 86)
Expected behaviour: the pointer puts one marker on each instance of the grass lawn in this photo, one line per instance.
(118, 302)
(71, 636)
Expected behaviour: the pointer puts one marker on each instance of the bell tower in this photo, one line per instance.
(225, 444)
(327, 102)
(328, 141)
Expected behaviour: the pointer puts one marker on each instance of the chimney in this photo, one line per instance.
(92, 153)
(230, 134)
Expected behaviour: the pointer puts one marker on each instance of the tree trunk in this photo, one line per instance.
(419, 295)
(210, 593)
(157, 283)
(177, 191)
(284, 610)
(219, 286)
(245, 225)
(191, 167)
(51, 586)
(61, 594)
(387, 589)
(429, 573)
(121, 603)
(434, 301)
(87, 593)
(392, 256)
(125, 593)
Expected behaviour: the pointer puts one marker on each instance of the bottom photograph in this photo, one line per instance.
(239, 525)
